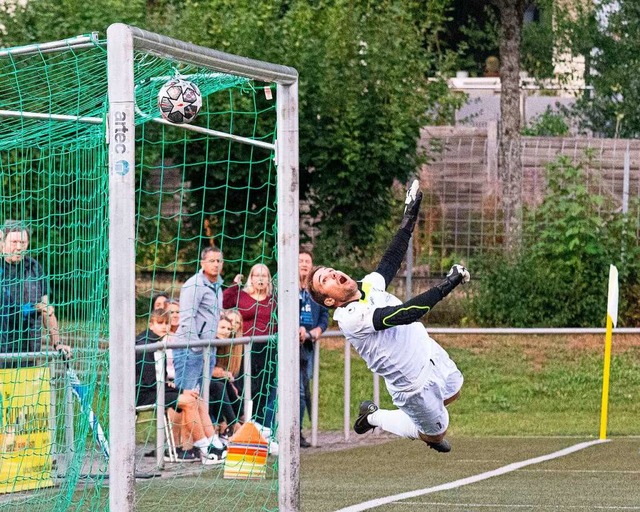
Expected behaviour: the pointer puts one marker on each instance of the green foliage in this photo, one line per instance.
(611, 60)
(538, 40)
(480, 39)
(47, 20)
(363, 93)
(560, 277)
(67, 229)
(364, 102)
(363, 97)
(547, 124)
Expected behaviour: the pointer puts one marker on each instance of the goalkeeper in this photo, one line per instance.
(419, 375)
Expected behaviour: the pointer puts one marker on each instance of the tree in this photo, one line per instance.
(363, 88)
(363, 98)
(568, 245)
(48, 20)
(509, 157)
(608, 36)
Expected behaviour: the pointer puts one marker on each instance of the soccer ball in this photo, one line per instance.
(179, 101)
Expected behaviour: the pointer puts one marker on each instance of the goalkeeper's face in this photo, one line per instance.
(336, 287)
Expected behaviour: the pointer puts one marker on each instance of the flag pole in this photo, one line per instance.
(612, 320)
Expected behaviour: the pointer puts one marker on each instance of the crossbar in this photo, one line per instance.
(53, 46)
(168, 47)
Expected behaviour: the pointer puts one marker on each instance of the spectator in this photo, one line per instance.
(314, 320)
(257, 305)
(200, 306)
(222, 383)
(195, 419)
(236, 326)
(173, 306)
(159, 301)
(24, 299)
(231, 358)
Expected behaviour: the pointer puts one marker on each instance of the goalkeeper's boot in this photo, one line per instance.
(362, 425)
(443, 446)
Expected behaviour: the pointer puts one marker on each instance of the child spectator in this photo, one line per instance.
(173, 306)
(197, 425)
(227, 368)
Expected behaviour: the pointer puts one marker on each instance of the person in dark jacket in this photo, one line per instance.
(24, 299)
(314, 320)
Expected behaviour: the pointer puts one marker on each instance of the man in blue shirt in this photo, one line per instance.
(314, 319)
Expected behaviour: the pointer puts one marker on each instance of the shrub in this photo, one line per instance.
(559, 278)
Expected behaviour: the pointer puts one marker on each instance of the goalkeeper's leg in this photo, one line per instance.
(396, 422)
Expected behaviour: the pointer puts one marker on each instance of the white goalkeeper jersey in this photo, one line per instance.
(399, 354)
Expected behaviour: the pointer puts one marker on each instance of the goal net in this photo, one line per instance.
(104, 205)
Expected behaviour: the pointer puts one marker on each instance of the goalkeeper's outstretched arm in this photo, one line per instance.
(392, 259)
(420, 305)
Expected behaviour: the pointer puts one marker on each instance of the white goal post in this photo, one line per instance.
(121, 42)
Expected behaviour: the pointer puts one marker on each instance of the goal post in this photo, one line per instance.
(118, 204)
(122, 40)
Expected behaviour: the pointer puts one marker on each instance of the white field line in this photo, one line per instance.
(528, 507)
(367, 505)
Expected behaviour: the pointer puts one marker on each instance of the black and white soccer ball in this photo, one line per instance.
(179, 101)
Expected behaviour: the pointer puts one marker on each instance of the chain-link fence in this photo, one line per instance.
(464, 213)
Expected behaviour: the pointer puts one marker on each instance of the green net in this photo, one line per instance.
(194, 189)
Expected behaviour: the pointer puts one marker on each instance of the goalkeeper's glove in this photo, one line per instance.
(412, 207)
(457, 275)
(459, 270)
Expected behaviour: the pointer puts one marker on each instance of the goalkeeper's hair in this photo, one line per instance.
(315, 294)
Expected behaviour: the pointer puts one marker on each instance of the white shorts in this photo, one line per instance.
(426, 407)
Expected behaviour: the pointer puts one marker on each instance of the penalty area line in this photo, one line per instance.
(367, 505)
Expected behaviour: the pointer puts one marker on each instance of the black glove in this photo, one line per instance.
(412, 208)
(457, 275)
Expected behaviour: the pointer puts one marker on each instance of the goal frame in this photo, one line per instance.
(122, 40)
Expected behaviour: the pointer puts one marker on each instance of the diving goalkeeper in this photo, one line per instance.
(420, 377)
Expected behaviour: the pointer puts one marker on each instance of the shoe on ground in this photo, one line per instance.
(211, 455)
(361, 425)
(443, 446)
(304, 443)
(183, 455)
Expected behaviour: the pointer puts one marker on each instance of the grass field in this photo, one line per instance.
(514, 385)
(604, 476)
(524, 397)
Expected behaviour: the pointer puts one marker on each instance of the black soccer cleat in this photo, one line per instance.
(362, 425)
(443, 446)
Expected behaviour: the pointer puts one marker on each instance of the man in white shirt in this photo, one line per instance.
(420, 377)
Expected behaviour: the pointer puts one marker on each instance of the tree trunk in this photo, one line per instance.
(509, 157)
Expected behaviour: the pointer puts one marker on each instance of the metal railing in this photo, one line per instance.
(54, 358)
(434, 330)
